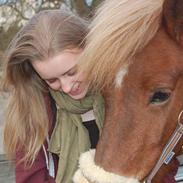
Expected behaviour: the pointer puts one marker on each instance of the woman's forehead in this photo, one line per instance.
(57, 65)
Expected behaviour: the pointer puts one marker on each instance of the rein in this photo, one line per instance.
(167, 153)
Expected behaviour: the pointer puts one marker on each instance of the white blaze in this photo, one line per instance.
(120, 76)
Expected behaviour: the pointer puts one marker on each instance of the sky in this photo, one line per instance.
(2, 2)
(5, 1)
(89, 2)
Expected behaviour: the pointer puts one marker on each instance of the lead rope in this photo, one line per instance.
(167, 153)
(49, 161)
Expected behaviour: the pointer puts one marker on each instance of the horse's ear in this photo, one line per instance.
(173, 19)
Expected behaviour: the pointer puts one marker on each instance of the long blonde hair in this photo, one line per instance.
(120, 29)
(46, 34)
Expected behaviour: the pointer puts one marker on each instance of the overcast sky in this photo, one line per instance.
(2, 1)
(89, 2)
(5, 1)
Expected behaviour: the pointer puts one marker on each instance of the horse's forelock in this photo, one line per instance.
(119, 30)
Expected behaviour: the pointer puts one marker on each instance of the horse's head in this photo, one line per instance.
(145, 51)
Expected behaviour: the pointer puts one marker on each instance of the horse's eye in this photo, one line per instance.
(160, 96)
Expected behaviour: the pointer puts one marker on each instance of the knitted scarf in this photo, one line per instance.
(70, 138)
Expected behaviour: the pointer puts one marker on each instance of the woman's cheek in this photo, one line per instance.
(55, 86)
(79, 77)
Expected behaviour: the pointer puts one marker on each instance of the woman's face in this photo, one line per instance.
(60, 73)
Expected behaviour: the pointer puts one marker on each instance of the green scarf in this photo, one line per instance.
(70, 138)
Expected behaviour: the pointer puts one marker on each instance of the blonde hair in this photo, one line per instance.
(119, 30)
(46, 34)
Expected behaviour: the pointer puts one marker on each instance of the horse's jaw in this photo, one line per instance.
(89, 172)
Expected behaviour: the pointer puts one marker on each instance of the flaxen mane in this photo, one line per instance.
(116, 34)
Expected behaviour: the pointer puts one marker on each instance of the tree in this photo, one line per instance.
(22, 10)
(85, 8)
(15, 13)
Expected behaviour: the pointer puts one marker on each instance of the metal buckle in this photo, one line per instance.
(179, 122)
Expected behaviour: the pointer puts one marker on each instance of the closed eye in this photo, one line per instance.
(50, 81)
(72, 71)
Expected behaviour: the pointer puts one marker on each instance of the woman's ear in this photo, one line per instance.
(173, 19)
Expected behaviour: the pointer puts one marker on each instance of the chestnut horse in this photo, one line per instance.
(134, 55)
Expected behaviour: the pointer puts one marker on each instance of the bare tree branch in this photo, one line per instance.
(19, 12)
(14, 13)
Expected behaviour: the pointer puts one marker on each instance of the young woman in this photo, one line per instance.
(51, 117)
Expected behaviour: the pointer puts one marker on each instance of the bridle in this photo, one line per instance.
(167, 153)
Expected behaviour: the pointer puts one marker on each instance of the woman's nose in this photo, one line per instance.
(66, 85)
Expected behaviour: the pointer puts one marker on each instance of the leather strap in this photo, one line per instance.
(167, 153)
